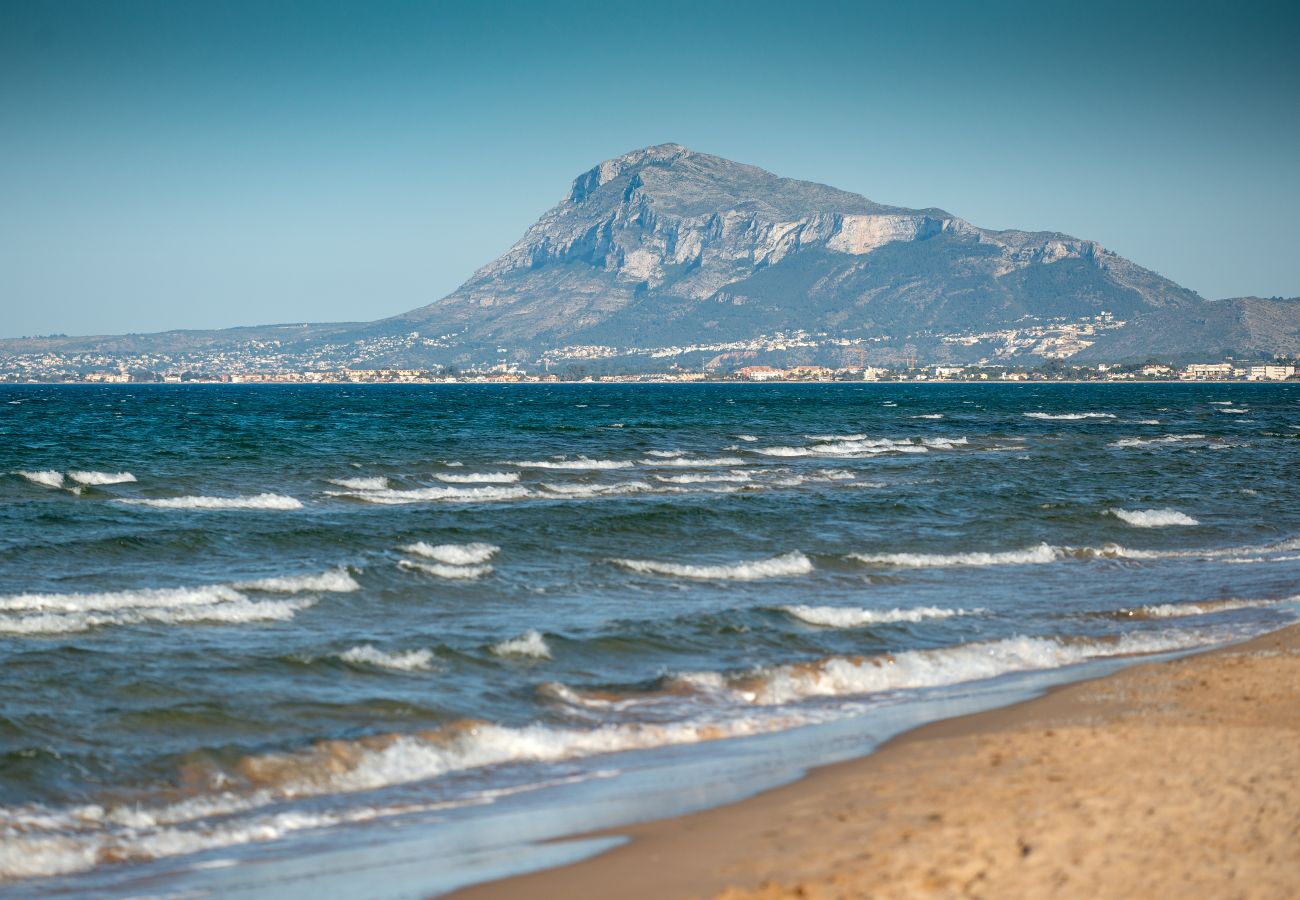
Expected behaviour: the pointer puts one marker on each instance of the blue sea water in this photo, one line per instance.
(236, 618)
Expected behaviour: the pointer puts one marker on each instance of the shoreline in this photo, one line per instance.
(1171, 777)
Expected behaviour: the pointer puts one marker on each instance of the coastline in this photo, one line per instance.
(1174, 777)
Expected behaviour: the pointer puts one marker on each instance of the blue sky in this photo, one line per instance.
(206, 164)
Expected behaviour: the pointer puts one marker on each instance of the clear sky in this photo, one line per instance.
(203, 164)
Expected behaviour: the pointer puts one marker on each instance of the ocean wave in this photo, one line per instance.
(1153, 518)
(333, 581)
(400, 660)
(486, 494)
(1197, 608)
(852, 617)
(230, 612)
(45, 478)
(588, 491)
(259, 501)
(479, 478)
(665, 454)
(1069, 416)
(689, 462)
(580, 464)
(747, 438)
(101, 478)
(929, 416)
(942, 443)
(1128, 443)
(1041, 553)
(530, 644)
(443, 570)
(844, 676)
(720, 477)
(145, 598)
(793, 563)
(454, 554)
(1235, 410)
(376, 483)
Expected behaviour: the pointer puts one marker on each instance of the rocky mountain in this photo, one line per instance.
(666, 249)
(667, 246)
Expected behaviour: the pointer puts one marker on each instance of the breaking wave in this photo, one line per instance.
(479, 478)
(1069, 416)
(454, 554)
(719, 477)
(1153, 518)
(259, 501)
(1198, 608)
(582, 463)
(530, 644)
(688, 462)
(1128, 443)
(377, 483)
(794, 563)
(1042, 553)
(443, 570)
(47, 478)
(401, 660)
(101, 478)
(334, 581)
(484, 494)
(842, 617)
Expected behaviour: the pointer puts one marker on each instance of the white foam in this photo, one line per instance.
(942, 443)
(839, 676)
(1205, 608)
(794, 563)
(666, 454)
(1069, 416)
(479, 478)
(783, 451)
(377, 483)
(402, 661)
(531, 644)
(929, 416)
(333, 581)
(47, 478)
(485, 494)
(442, 570)
(1041, 553)
(232, 612)
(145, 598)
(734, 477)
(587, 491)
(850, 617)
(1125, 443)
(1236, 410)
(1153, 518)
(835, 437)
(100, 478)
(260, 501)
(687, 462)
(747, 438)
(454, 554)
(580, 464)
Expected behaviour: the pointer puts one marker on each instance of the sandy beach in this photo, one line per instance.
(1167, 779)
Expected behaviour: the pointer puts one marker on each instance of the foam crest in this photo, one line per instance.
(842, 617)
(230, 612)
(333, 581)
(580, 464)
(1064, 417)
(530, 644)
(101, 478)
(147, 598)
(841, 676)
(697, 463)
(259, 501)
(929, 416)
(401, 661)
(376, 483)
(1130, 443)
(486, 494)
(794, 563)
(1153, 518)
(1042, 553)
(1199, 608)
(454, 554)
(587, 491)
(442, 570)
(46, 478)
(720, 477)
(479, 478)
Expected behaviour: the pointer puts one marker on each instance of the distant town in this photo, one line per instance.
(1034, 350)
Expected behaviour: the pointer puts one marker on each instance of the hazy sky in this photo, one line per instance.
(202, 164)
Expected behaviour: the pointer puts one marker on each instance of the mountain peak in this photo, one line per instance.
(610, 169)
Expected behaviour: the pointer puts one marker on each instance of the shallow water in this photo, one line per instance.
(234, 616)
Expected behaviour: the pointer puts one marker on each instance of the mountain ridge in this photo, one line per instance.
(666, 246)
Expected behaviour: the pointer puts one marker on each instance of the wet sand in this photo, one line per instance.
(1169, 779)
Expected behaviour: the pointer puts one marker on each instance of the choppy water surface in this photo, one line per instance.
(232, 615)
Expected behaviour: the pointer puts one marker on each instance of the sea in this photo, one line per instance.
(386, 640)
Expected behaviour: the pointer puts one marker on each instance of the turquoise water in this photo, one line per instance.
(239, 617)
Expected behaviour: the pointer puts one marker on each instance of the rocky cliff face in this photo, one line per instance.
(665, 244)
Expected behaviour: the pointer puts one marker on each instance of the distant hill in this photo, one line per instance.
(665, 247)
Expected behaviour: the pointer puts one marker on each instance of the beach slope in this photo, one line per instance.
(1168, 779)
